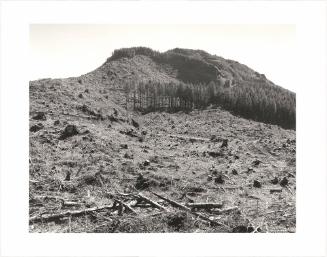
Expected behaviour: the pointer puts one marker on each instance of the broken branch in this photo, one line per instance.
(204, 205)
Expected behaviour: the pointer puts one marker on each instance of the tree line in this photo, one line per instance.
(260, 102)
(248, 94)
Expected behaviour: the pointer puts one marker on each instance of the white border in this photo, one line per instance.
(310, 19)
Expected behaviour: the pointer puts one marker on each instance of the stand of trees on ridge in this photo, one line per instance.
(269, 104)
(190, 68)
(209, 80)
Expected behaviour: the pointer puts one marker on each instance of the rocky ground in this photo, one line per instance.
(95, 167)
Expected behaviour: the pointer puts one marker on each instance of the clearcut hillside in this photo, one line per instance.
(174, 160)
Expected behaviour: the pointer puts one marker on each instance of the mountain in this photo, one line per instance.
(108, 148)
(225, 83)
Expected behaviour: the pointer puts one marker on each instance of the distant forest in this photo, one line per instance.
(204, 82)
(252, 101)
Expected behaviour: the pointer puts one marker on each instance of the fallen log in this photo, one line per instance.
(204, 205)
(271, 212)
(275, 190)
(143, 205)
(194, 139)
(64, 201)
(71, 203)
(153, 203)
(67, 213)
(172, 202)
(53, 197)
(234, 208)
(254, 197)
(122, 194)
(178, 205)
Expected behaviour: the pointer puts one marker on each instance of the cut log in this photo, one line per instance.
(230, 209)
(153, 203)
(178, 205)
(68, 213)
(204, 205)
(143, 205)
(71, 203)
(275, 190)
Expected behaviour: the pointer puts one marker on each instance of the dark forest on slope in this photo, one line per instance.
(210, 80)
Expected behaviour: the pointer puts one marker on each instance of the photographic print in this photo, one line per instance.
(162, 128)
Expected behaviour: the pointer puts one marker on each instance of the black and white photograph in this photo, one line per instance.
(163, 128)
(156, 140)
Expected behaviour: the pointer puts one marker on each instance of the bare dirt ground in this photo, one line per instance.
(96, 168)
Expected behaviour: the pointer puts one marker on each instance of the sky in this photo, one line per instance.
(65, 50)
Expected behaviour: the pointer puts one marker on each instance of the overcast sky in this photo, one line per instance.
(60, 51)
